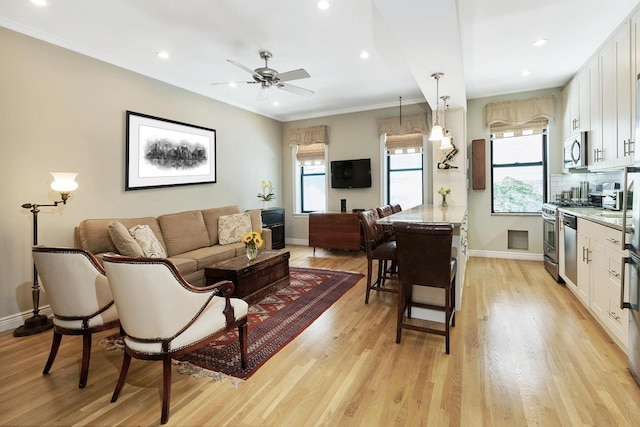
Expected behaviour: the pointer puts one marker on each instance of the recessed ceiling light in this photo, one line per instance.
(364, 54)
(525, 73)
(39, 2)
(163, 54)
(323, 4)
(539, 42)
(276, 103)
(232, 84)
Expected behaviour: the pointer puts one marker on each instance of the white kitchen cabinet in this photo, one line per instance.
(596, 148)
(576, 104)
(623, 81)
(608, 100)
(599, 277)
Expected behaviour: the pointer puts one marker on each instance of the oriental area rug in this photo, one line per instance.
(273, 322)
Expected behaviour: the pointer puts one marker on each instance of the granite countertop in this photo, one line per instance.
(604, 217)
(428, 214)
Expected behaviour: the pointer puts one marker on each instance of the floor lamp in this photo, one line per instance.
(64, 183)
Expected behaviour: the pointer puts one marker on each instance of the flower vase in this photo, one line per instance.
(444, 203)
(265, 204)
(252, 252)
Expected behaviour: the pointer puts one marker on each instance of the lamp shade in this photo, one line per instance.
(445, 143)
(436, 133)
(64, 182)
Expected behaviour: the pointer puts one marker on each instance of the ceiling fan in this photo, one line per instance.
(268, 77)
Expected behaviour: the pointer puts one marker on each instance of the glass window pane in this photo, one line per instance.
(405, 161)
(405, 188)
(522, 149)
(518, 189)
(314, 193)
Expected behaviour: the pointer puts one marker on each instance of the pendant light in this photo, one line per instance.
(436, 130)
(445, 142)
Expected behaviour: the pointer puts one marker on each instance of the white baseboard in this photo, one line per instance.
(300, 242)
(506, 255)
(16, 320)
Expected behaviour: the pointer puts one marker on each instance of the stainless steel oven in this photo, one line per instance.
(550, 233)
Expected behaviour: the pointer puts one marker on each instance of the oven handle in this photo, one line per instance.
(548, 217)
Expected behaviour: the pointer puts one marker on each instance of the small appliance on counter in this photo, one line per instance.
(612, 196)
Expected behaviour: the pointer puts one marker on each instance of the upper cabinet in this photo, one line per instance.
(601, 99)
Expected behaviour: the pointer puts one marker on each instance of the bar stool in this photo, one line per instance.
(377, 249)
(387, 230)
(424, 259)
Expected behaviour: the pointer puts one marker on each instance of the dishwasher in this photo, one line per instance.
(570, 223)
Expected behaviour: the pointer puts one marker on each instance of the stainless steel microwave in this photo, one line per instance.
(575, 152)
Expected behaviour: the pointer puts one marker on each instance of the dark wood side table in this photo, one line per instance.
(255, 279)
(273, 219)
(334, 230)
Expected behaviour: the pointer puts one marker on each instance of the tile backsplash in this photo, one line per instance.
(565, 182)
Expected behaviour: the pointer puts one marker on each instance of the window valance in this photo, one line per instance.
(404, 143)
(410, 124)
(310, 135)
(313, 153)
(520, 115)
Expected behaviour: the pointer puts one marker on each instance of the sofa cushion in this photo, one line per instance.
(211, 220)
(183, 232)
(231, 228)
(122, 239)
(94, 233)
(256, 219)
(210, 255)
(184, 265)
(148, 241)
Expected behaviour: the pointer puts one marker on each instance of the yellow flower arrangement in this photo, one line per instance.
(267, 193)
(252, 240)
(444, 191)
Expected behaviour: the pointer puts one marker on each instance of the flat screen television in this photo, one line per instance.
(351, 173)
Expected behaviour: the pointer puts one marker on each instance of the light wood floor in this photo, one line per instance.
(523, 352)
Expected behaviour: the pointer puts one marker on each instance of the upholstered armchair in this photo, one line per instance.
(80, 298)
(164, 316)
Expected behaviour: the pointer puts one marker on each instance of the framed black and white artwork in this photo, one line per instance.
(165, 153)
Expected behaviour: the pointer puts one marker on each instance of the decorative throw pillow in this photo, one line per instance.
(123, 241)
(148, 241)
(231, 228)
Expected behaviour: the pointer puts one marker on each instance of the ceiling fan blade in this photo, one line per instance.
(300, 73)
(295, 89)
(247, 69)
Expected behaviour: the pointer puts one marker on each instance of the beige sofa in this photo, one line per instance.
(190, 238)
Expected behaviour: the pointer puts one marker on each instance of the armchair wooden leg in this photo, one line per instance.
(242, 335)
(453, 301)
(166, 387)
(86, 356)
(55, 345)
(126, 361)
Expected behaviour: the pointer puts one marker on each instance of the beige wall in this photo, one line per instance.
(351, 136)
(487, 232)
(64, 112)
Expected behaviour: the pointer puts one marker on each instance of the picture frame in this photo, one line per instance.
(167, 153)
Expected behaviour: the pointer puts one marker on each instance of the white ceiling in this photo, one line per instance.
(482, 46)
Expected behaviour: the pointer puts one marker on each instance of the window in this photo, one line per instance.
(313, 186)
(518, 171)
(309, 153)
(405, 178)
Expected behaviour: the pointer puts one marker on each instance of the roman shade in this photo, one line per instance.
(404, 133)
(520, 116)
(310, 142)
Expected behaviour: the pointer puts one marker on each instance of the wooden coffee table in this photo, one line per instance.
(255, 279)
